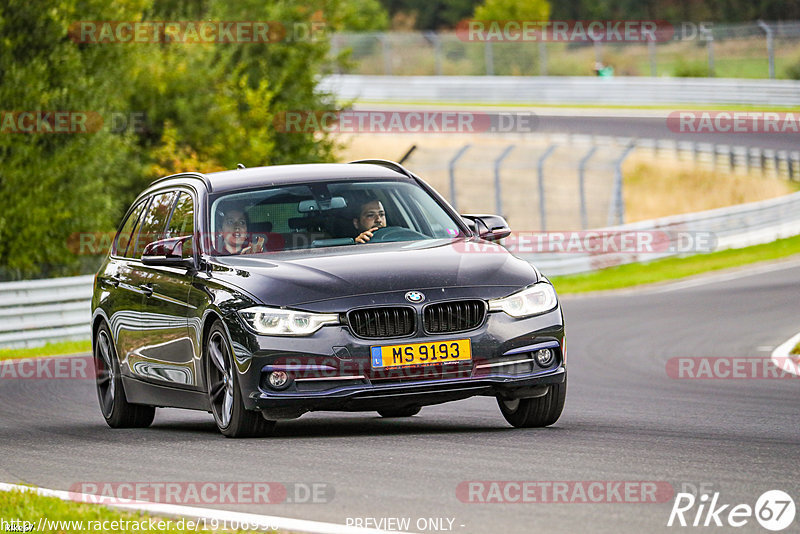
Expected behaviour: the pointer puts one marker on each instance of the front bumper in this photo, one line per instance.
(331, 370)
(368, 397)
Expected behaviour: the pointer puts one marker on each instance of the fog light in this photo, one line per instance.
(278, 379)
(544, 357)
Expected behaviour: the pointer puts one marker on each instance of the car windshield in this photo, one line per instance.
(326, 214)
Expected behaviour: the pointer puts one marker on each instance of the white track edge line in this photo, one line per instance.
(706, 279)
(781, 358)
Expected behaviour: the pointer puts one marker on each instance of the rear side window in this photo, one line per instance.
(182, 222)
(124, 236)
(154, 223)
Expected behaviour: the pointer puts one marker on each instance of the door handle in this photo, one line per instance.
(112, 280)
(147, 289)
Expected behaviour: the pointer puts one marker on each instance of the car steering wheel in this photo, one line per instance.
(394, 233)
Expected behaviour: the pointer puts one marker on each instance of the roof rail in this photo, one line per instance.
(196, 175)
(386, 163)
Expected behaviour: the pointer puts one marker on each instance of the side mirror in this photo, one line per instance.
(167, 253)
(488, 227)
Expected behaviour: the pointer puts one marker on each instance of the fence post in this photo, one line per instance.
(387, 53)
(542, 58)
(581, 185)
(710, 47)
(617, 209)
(770, 48)
(488, 55)
(452, 168)
(651, 49)
(436, 41)
(498, 191)
(540, 171)
(598, 51)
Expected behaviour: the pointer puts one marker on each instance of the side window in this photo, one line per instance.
(182, 221)
(125, 233)
(154, 222)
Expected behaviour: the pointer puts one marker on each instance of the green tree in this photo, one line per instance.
(513, 10)
(54, 186)
(206, 107)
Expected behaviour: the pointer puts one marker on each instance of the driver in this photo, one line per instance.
(371, 216)
(235, 235)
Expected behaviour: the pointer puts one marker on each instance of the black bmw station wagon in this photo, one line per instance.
(261, 294)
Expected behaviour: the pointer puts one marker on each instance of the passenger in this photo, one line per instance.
(371, 216)
(235, 237)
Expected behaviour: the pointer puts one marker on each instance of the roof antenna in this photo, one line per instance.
(240, 166)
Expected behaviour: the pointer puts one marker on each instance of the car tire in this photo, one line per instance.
(535, 412)
(224, 392)
(408, 411)
(116, 409)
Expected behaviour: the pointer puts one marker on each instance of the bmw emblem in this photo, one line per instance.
(415, 296)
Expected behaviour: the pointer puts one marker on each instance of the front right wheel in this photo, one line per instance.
(224, 392)
(535, 412)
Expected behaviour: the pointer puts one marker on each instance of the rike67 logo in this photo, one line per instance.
(774, 510)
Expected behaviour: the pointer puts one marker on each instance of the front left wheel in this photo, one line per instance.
(117, 411)
(535, 412)
(224, 392)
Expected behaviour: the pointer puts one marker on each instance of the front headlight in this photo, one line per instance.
(539, 298)
(276, 322)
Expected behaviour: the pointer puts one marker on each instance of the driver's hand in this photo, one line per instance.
(255, 248)
(363, 237)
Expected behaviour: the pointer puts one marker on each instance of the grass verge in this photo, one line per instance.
(50, 349)
(658, 186)
(78, 518)
(673, 268)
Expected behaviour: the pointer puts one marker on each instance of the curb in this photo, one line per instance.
(780, 356)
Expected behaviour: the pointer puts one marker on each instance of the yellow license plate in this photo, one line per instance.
(457, 350)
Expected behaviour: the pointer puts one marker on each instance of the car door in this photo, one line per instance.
(121, 278)
(163, 349)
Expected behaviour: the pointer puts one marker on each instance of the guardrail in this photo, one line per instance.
(34, 312)
(739, 226)
(562, 90)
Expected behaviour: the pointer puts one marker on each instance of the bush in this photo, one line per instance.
(693, 69)
(793, 70)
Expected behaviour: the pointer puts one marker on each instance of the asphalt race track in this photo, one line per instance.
(625, 420)
(641, 124)
(657, 128)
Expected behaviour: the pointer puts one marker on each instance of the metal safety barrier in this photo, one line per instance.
(34, 312)
(561, 90)
(738, 226)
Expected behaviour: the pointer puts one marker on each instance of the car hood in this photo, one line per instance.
(296, 278)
